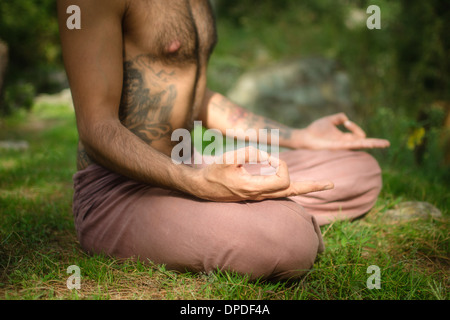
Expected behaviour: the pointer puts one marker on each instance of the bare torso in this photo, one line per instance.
(166, 47)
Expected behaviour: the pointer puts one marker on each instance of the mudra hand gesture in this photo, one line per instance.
(324, 134)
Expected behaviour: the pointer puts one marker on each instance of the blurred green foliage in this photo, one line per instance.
(30, 29)
(409, 56)
(413, 44)
(398, 72)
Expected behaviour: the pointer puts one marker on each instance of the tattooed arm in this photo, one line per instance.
(93, 58)
(220, 113)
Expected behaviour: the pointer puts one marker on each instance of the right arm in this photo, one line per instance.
(93, 57)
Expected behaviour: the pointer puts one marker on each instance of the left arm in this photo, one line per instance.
(220, 113)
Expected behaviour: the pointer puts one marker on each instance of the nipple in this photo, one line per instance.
(173, 46)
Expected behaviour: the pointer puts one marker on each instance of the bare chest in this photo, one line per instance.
(172, 31)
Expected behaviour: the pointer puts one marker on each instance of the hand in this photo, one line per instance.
(231, 182)
(324, 134)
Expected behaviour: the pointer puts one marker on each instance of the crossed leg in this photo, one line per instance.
(274, 239)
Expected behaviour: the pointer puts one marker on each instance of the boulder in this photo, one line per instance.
(295, 92)
(20, 145)
(64, 97)
(411, 210)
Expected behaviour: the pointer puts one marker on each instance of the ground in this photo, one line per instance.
(38, 242)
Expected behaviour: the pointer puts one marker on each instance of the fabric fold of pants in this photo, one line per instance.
(273, 239)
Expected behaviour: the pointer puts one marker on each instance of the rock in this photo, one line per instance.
(14, 145)
(62, 98)
(413, 210)
(295, 92)
(356, 18)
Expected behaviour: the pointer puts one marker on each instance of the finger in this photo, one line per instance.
(275, 162)
(280, 186)
(355, 129)
(369, 143)
(303, 187)
(341, 118)
(338, 118)
(297, 188)
(248, 154)
(349, 136)
(278, 179)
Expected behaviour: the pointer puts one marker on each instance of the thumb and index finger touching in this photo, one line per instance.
(276, 184)
(358, 139)
(341, 118)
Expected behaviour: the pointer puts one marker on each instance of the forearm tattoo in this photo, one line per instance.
(238, 116)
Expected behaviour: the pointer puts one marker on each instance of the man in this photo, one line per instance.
(137, 71)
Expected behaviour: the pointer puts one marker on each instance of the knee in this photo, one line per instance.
(368, 164)
(360, 189)
(287, 249)
(292, 259)
(293, 253)
(360, 177)
(370, 171)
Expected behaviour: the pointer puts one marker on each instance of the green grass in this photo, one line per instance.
(38, 242)
(37, 236)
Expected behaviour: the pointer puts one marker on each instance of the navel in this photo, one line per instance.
(173, 46)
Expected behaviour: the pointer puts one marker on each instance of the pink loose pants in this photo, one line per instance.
(272, 239)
